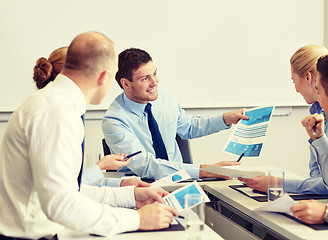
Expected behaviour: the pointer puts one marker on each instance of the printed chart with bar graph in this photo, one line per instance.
(248, 135)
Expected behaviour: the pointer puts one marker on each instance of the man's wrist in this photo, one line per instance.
(325, 217)
(202, 174)
(100, 165)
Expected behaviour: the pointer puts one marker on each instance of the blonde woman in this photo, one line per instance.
(304, 75)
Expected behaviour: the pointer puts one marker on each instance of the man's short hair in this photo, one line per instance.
(89, 53)
(128, 61)
(322, 68)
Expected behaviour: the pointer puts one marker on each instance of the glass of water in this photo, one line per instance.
(194, 216)
(275, 184)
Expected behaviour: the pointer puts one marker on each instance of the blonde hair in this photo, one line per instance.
(304, 60)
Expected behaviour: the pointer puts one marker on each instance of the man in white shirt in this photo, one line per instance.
(41, 157)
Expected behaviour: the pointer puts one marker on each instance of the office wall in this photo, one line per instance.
(26, 36)
(211, 53)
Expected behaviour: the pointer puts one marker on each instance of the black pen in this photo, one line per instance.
(315, 128)
(240, 156)
(131, 155)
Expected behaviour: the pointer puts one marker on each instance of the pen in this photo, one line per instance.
(240, 156)
(131, 155)
(314, 128)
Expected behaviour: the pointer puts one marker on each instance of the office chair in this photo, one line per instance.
(184, 147)
(105, 147)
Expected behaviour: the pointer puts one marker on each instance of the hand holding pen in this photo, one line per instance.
(113, 161)
(314, 125)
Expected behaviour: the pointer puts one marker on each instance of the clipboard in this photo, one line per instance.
(172, 227)
(206, 179)
(264, 198)
(319, 227)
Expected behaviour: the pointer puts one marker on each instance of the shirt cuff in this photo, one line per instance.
(131, 220)
(220, 122)
(290, 185)
(192, 170)
(125, 197)
(320, 145)
(114, 182)
(92, 174)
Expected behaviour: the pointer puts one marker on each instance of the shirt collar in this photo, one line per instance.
(136, 108)
(315, 108)
(74, 93)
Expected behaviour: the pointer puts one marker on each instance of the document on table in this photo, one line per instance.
(232, 172)
(176, 198)
(281, 204)
(172, 178)
(248, 135)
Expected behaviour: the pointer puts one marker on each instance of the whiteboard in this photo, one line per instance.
(209, 53)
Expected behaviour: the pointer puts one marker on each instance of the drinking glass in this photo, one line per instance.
(275, 184)
(194, 216)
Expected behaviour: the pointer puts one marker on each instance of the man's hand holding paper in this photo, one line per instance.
(259, 183)
(231, 172)
(203, 173)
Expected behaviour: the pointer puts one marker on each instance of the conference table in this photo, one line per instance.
(230, 215)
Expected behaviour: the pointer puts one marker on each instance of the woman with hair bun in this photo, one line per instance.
(46, 71)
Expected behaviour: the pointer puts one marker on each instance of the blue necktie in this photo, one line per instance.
(80, 173)
(158, 143)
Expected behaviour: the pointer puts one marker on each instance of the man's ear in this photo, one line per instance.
(125, 83)
(102, 77)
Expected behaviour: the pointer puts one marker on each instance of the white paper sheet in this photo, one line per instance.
(230, 172)
(248, 135)
(172, 178)
(281, 204)
(250, 192)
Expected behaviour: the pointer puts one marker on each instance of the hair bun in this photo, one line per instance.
(42, 72)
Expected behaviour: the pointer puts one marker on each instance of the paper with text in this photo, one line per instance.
(172, 178)
(176, 198)
(248, 135)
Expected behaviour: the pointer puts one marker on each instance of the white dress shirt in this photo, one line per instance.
(40, 159)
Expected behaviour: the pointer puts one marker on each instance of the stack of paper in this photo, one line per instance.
(231, 172)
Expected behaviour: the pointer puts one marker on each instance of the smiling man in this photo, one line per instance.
(145, 117)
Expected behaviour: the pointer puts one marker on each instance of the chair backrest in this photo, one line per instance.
(184, 147)
(105, 147)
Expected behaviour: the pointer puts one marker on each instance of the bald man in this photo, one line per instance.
(42, 151)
